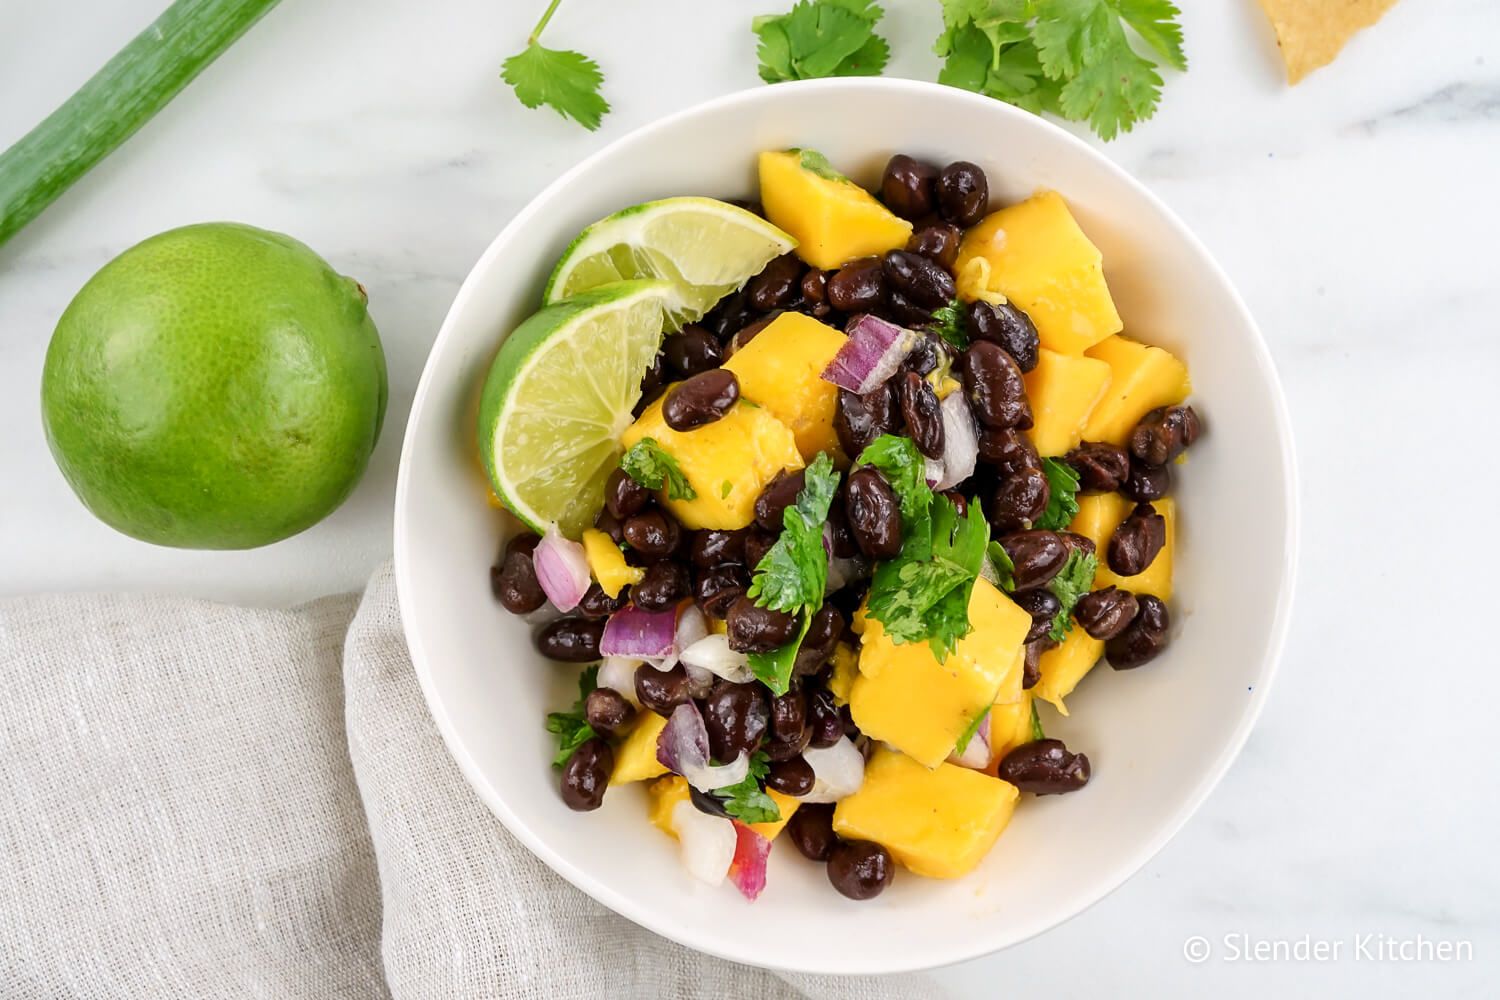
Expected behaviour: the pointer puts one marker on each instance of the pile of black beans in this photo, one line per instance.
(713, 567)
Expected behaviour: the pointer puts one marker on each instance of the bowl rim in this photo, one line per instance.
(961, 949)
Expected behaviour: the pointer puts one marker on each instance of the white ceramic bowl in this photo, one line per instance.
(1160, 738)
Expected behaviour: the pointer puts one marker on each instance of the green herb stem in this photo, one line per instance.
(536, 33)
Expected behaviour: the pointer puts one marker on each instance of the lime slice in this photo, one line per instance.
(705, 248)
(558, 395)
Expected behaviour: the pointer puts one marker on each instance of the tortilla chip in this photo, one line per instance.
(1311, 33)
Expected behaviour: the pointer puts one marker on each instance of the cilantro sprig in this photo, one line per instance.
(1062, 481)
(1036, 725)
(746, 800)
(969, 733)
(948, 322)
(1071, 583)
(570, 727)
(651, 465)
(567, 82)
(819, 38)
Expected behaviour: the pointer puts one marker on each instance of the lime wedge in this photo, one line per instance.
(703, 247)
(558, 395)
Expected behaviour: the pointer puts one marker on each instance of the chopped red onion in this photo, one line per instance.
(712, 653)
(708, 843)
(562, 569)
(976, 755)
(640, 634)
(748, 868)
(618, 674)
(682, 748)
(838, 770)
(872, 354)
(934, 471)
(960, 441)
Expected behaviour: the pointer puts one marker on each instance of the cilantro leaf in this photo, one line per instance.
(747, 800)
(969, 733)
(725, 488)
(904, 468)
(948, 323)
(819, 38)
(1036, 725)
(1155, 21)
(570, 727)
(567, 82)
(651, 465)
(1071, 583)
(1063, 505)
(1112, 93)
(1004, 566)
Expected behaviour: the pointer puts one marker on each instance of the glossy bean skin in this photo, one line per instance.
(753, 629)
(938, 242)
(1007, 449)
(654, 379)
(522, 543)
(1105, 613)
(729, 316)
(921, 279)
(1077, 543)
(700, 400)
(963, 193)
(902, 311)
(924, 357)
(1042, 606)
(712, 547)
(1137, 541)
(737, 717)
(857, 287)
(909, 187)
(748, 332)
(1101, 467)
(777, 285)
(958, 500)
(610, 525)
(779, 494)
(1038, 556)
(994, 387)
(1032, 663)
(788, 715)
(811, 830)
(1164, 433)
(860, 869)
(874, 514)
(757, 543)
(652, 534)
(708, 804)
(1019, 500)
(818, 645)
(923, 415)
(692, 350)
(1144, 638)
(570, 639)
(793, 776)
(844, 545)
(815, 287)
(595, 603)
(1147, 483)
(779, 749)
(718, 587)
(514, 583)
(823, 719)
(858, 420)
(662, 690)
(607, 711)
(664, 584)
(586, 775)
(1045, 767)
(1008, 328)
(623, 496)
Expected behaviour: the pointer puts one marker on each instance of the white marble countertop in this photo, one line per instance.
(1357, 213)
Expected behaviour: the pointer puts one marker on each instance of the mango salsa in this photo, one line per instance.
(1040, 260)
(607, 563)
(781, 369)
(1063, 390)
(635, 757)
(665, 793)
(1064, 665)
(728, 462)
(938, 823)
(1097, 518)
(833, 219)
(906, 698)
(1142, 379)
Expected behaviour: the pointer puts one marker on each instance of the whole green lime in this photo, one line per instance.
(216, 387)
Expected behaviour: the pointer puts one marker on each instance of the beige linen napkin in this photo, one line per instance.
(204, 801)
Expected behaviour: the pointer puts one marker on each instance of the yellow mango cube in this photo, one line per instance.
(833, 219)
(635, 757)
(845, 669)
(1142, 379)
(607, 563)
(728, 462)
(1097, 518)
(1010, 727)
(1063, 390)
(939, 823)
(1064, 665)
(906, 698)
(787, 805)
(664, 794)
(1040, 260)
(781, 370)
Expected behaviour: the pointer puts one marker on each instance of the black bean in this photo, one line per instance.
(1082, 544)
(1032, 664)
(1045, 768)
(1106, 613)
(1008, 327)
(779, 494)
(874, 514)
(718, 587)
(610, 525)
(823, 719)
(654, 378)
(662, 690)
(923, 414)
(963, 193)
(664, 584)
(515, 585)
(818, 645)
(711, 547)
(919, 278)
(811, 830)
(700, 400)
(793, 776)
(1101, 467)
(1164, 433)
(958, 500)
(1038, 556)
(1136, 541)
(522, 543)
(788, 715)
(607, 711)
(860, 869)
(908, 187)
(842, 539)
(1018, 501)
(623, 496)
(757, 544)
(777, 285)
(652, 534)
(1007, 449)
(748, 332)
(815, 287)
(902, 311)
(938, 243)
(729, 316)
(595, 603)
(753, 207)
(692, 350)
(1042, 606)
(586, 775)
(708, 804)
(753, 629)
(1147, 483)
(737, 717)
(858, 420)
(779, 749)
(857, 287)
(994, 387)
(570, 639)
(1144, 638)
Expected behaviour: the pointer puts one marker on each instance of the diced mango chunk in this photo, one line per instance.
(833, 219)
(781, 370)
(1040, 260)
(1097, 518)
(1010, 727)
(728, 462)
(1142, 379)
(1064, 665)
(607, 563)
(1063, 390)
(939, 823)
(845, 669)
(787, 805)
(906, 698)
(635, 757)
(665, 793)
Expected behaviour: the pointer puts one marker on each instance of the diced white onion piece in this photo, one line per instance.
(712, 653)
(839, 771)
(692, 625)
(872, 353)
(618, 674)
(562, 569)
(706, 842)
(977, 754)
(960, 441)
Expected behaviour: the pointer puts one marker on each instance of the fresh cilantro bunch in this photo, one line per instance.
(1062, 480)
(1073, 58)
(1073, 581)
(818, 38)
(570, 727)
(651, 465)
(567, 82)
(747, 800)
